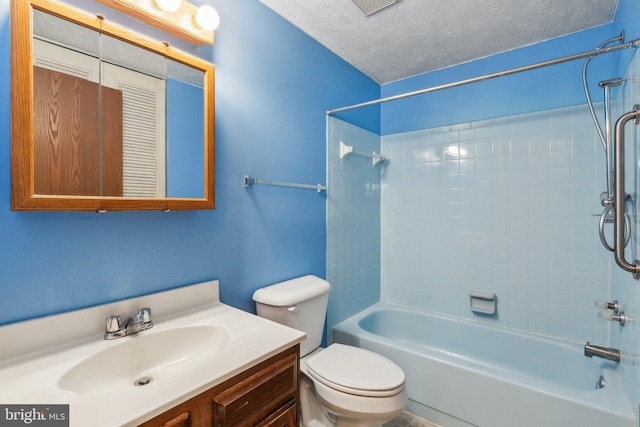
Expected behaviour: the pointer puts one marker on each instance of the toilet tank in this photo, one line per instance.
(299, 303)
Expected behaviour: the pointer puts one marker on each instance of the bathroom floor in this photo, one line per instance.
(408, 420)
(404, 420)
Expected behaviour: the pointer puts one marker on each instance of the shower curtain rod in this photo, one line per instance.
(632, 44)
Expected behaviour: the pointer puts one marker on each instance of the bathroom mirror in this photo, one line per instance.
(104, 119)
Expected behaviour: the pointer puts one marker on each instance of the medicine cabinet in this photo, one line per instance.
(103, 118)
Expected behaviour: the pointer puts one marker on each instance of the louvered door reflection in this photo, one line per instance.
(143, 134)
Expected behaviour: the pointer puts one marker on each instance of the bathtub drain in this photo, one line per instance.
(600, 383)
(143, 381)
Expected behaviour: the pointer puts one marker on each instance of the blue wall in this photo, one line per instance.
(185, 156)
(273, 86)
(551, 87)
(627, 19)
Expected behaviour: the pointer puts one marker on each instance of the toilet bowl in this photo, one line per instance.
(350, 386)
(341, 385)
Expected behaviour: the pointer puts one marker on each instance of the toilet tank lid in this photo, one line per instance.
(292, 291)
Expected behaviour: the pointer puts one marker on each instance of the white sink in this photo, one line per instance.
(144, 359)
(196, 343)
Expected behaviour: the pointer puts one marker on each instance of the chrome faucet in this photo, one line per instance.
(604, 352)
(132, 325)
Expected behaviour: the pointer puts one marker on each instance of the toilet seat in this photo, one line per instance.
(355, 371)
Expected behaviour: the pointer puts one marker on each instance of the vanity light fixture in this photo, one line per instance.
(207, 18)
(168, 5)
(179, 18)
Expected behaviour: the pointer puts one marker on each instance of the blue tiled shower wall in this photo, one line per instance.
(623, 287)
(353, 221)
(508, 205)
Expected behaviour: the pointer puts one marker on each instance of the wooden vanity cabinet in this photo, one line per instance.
(265, 395)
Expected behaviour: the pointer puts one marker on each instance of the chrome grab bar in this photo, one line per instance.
(607, 216)
(620, 196)
(606, 198)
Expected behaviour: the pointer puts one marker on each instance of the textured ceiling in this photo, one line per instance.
(412, 37)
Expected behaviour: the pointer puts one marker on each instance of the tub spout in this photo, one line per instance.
(604, 352)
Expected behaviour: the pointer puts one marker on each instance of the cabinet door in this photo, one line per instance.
(285, 417)
(265, 395)
(195, 412)
(258, 396)
(181, 420)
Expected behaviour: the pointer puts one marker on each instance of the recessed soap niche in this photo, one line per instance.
(483, 302)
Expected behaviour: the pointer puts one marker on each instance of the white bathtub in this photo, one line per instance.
(461, 373)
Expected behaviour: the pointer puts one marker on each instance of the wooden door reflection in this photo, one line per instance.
(70, 156)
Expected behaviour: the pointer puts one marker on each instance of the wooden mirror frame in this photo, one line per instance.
(22, 111)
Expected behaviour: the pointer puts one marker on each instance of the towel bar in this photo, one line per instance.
(248, 182)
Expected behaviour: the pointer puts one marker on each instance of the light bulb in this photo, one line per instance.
(207, 18)
(168, 5)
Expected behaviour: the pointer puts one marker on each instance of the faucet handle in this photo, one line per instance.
(114, 324)
(615, 306)
(145, 315)
(143, 319)
(615, 316)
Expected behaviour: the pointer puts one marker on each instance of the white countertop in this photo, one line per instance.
(31, 377)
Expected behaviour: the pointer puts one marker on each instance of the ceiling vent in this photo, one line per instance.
(369, 7)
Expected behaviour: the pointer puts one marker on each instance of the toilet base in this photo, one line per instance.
(317, 412)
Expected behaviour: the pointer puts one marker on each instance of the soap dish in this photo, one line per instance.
(483, 302)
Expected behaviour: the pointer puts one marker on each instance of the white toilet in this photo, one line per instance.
(341, 385)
